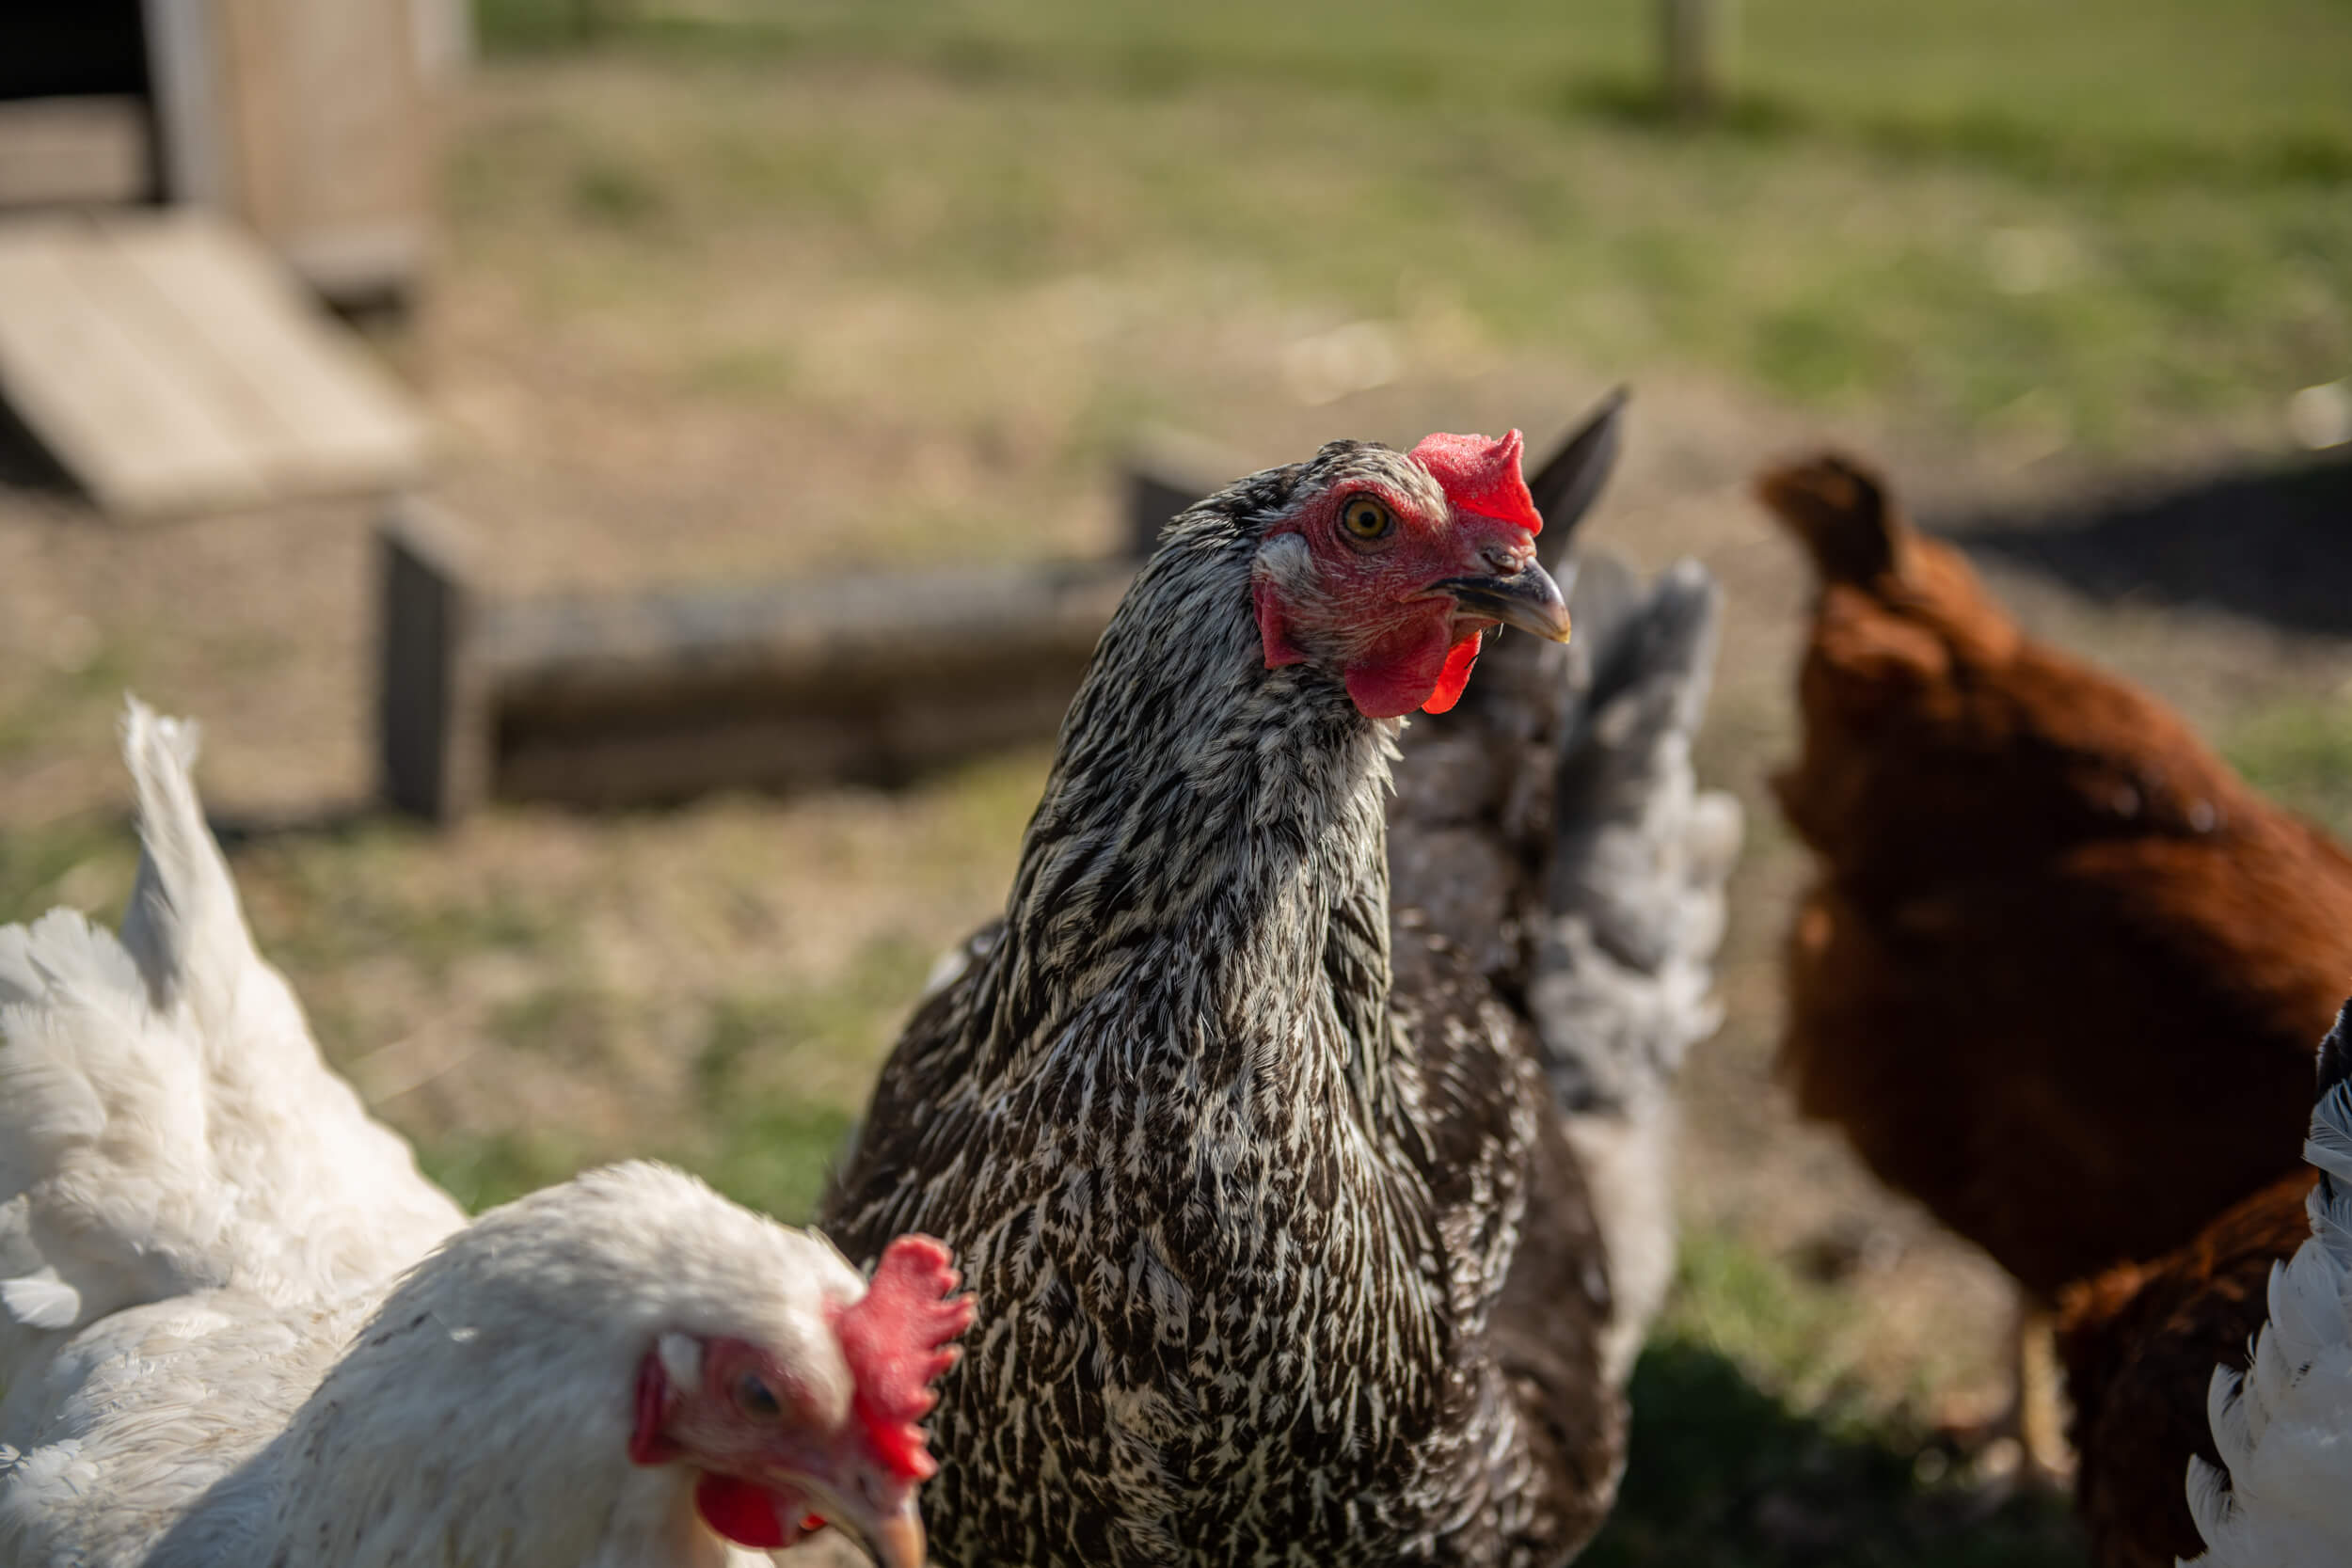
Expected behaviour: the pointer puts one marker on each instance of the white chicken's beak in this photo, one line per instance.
(884, 1517)
(895, 1539)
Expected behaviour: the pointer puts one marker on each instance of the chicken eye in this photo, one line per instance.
(1365, 519)
(755, 1398)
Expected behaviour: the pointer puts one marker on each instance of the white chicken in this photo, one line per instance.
(237, 1326)
(2284, 1429)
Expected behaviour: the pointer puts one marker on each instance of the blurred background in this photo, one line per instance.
(440, 401)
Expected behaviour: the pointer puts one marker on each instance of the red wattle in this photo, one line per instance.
(1273, 633)
(739, 1511)
(1454, 676)
(648, 1443)
(1393, 679)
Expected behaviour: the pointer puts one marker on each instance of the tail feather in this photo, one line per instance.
(167, 1123)
(1622, 895)
(185, 926)
(1623, 982)
(2282, 1497)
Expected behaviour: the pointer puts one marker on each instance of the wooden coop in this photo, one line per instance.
(308, 121)
(178, 179)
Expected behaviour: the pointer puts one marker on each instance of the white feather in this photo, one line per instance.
(2285, 1430)
(167, 1123)
(41, 1300)
(226, 1333)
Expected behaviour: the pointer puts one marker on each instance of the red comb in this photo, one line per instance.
(1482, 476)
(898, 1340)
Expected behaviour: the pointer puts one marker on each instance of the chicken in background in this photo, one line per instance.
(2139, 1344)
(2284, 1423)
(2059, 972)
(238, 1327)
(1307, 1148)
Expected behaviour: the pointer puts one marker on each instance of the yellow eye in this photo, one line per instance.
(1364, 518)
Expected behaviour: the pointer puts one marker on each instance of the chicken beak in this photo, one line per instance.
(894, 1537)
(1528, 599)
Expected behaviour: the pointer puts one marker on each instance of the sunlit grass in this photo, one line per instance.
(2006, 80)
(2299, 752)
(1753, 1449)
(2092, 287)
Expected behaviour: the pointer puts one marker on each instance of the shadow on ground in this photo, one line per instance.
(1723, 1475)
(2275, 545)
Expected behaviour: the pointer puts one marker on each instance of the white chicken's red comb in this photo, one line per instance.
(898, 1339)
(1481, 475)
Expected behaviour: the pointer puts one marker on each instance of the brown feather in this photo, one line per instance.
(2140, 1343)
(2060, 972)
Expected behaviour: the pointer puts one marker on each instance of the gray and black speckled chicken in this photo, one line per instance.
(1306, 1150)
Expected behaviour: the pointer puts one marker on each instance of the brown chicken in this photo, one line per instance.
(2139, 1344)
(2061, 971)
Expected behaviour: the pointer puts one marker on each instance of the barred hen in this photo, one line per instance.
(1306, 1153)
(2059, 972)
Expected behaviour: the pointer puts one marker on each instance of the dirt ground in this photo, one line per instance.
(557, 977)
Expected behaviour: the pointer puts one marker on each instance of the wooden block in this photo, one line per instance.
(84, 378)
(433, 716)
(317, 412)
(73, 152)
(319, 110)
(1694, 44)
(1167, 470)
(624, 699)
(609, 699)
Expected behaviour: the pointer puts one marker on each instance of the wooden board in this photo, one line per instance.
(626, 699)
(170, 367)
(73, 152)
(309, 121)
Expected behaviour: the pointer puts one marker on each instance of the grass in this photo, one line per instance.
(761, 1125)
(1753, 1448)
(1726, 1473)
(2171, 71)
(2103, 223)
(2299, 752)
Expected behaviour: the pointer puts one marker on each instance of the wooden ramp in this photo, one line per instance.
(171, 366)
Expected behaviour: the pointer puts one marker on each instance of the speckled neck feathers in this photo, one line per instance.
(1211, 834)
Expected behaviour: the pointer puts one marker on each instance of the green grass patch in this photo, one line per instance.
(777, 1158)
(2164, 89)
(86, 861)
(781, 1077)
(2299, 752)
(1941, 277)
(326, 900)
(577, 1025)
(1726, 1473)
(483, 1172)
(1753, 1449)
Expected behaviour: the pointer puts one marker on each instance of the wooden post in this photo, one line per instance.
(1167, 470)
(1693, 35)
(432, 745)
(306, 119)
